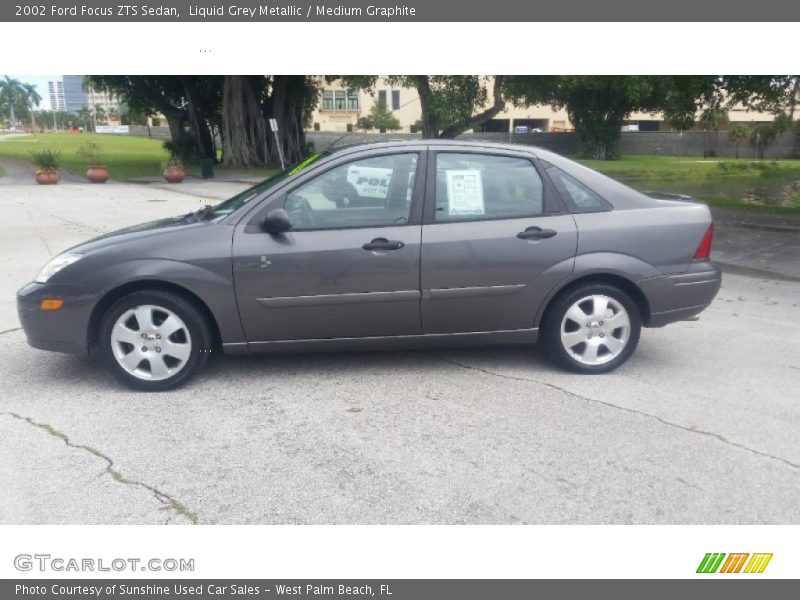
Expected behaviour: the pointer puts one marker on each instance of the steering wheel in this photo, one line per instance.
(301, 212)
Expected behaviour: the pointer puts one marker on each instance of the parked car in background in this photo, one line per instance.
(453, 243)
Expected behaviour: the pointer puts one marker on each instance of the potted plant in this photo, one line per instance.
(173, 170)
(95, 171)
(48, 161)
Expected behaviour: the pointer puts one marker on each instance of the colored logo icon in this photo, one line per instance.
(719, 562)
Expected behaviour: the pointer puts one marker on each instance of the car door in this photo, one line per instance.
(494, 241)
(344, 269)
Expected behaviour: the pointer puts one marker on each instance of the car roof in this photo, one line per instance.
(399, 143)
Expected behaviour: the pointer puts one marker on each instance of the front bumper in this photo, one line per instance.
(62, 330)
(683, 296)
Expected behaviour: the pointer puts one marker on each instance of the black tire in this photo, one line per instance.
(199, 340)
(551, 328)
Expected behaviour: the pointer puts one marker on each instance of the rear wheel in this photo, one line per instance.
(154, 340)
(593, 328)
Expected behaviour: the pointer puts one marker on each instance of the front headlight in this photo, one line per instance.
(56, 264)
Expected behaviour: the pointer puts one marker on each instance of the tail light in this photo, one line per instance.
(704, 249)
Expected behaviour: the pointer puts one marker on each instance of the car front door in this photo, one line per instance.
(494, 242)
(344, 269)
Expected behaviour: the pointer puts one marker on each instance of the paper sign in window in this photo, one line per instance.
(464, 192)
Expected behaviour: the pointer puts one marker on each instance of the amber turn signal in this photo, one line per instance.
(51, 304)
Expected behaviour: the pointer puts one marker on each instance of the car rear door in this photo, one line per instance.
(495, 241)
(342, 271)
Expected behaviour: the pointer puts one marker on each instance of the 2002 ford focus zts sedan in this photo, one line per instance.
(391, 245)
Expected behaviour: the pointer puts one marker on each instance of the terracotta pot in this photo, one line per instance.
(174, 174)
(96, 174)
(47, 177)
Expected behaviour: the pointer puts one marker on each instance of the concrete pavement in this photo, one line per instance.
(699, 427)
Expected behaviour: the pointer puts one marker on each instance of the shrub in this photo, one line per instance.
(47, 159)
(90, 153)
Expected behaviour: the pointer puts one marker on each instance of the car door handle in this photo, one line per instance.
(536, 233)
(383, 244)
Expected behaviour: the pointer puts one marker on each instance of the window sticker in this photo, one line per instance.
(464, 192)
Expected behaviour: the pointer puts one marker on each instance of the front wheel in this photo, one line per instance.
(594, 328)
(154, 340)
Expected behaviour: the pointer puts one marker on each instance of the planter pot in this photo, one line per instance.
(174, 174)
(96, 174)
(47, 177)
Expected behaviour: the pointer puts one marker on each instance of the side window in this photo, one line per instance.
(578, 197)
(483, 186)
(368, 192)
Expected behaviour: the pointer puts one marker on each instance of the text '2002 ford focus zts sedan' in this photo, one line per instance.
(392, 245)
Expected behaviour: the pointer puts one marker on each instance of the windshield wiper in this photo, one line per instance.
(200, 213)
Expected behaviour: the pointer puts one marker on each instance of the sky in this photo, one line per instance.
(40, 81)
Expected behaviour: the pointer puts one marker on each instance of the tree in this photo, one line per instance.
(192, 100)
(244, 130)
(781, 124)
(84, 116)
(11, 91)
(98, 115)
(738, 133)
(365, 123)
(249, 102)
(760, 136)
(450, 104)
(597, 105)
(32, 98)
(382, 118)
(712, 119)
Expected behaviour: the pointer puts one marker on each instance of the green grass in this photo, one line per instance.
(125, 157)
(665, 168)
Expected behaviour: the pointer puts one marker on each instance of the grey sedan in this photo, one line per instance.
(392, 245)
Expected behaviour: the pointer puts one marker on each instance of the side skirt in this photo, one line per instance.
(392, 342)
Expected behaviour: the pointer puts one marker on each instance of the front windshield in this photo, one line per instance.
(242, 198)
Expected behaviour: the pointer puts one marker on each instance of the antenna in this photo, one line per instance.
(339, 139)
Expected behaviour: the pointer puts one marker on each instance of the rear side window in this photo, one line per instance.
(483, 186)
(578, 197)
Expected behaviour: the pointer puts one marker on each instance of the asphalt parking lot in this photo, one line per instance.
(700, 426)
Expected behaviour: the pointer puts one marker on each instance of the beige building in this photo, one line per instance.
(339, 109)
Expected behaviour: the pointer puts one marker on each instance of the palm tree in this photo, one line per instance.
(33, 98)
(11, 90)
(738, 133)
(85, 116)
(98, 114)
(781, 124)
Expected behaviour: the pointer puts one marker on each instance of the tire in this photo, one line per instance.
(578, 336)
(177, 343)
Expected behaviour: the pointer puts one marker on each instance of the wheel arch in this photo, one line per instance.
(608, 278)
(114, 294)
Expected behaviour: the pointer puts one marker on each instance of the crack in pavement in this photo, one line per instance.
(661, 420)
(170, 503)
(5, 331)
(38, 233)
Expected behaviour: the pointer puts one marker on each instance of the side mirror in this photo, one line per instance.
(276, 221)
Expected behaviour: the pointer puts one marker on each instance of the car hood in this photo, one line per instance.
(141, 231)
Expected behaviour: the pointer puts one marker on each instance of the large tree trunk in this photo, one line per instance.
(200, 129)
(175, 120)
(287, 106)
(430, 126)
(244, 132)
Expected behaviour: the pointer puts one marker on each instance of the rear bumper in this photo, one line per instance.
(62, 330)
(680, 297)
